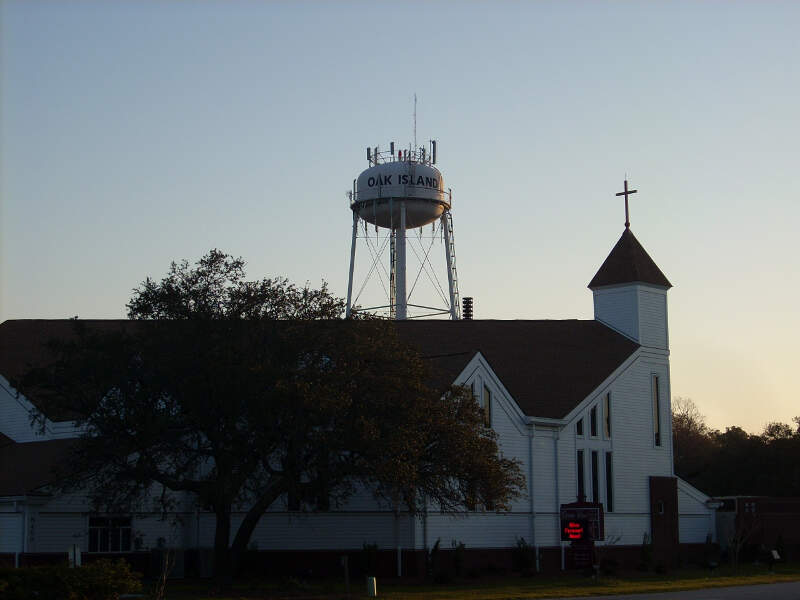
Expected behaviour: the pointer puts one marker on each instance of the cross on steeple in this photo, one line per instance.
(626, 193)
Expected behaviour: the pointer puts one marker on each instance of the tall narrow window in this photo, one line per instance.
(609, 484)
(581, 487)
(487, 405)
(593, 421)
(595, 479)
(607, 415)
(579, 427)
(656, 412)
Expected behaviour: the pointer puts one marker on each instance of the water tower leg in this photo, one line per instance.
(400, 281)
(352, 263)
(448, 251)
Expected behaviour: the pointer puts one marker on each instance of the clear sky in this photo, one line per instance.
(136, 133)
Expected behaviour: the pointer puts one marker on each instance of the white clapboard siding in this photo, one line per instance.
(636, 457)
(327, 531)
(626, 528)
(618, 308)
(653, 317)
(57, 531)
(544, 471)
(11, 531)
(636, 310)
(478, 530)
(697, 520)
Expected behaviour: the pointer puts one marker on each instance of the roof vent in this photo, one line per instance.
(466, 308)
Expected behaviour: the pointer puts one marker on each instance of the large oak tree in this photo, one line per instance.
(245, 392)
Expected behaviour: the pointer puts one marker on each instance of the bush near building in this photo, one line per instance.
(100, 580)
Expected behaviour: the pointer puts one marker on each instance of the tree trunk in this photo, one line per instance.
(222, 556)
(245, 531)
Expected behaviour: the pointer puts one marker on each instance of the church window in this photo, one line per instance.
(656, 411)
(607, 415)
(593, 421)
(579, 427)
(609, 484)
(109, 534)
(581, 485)
(595, 479)
(487, 406)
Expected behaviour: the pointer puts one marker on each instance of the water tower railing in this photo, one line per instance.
(412, 156)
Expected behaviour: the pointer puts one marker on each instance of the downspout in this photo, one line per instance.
(425, 533)
(27, 524)
(397, 541)
(22, 539)
(532, 519)
(558, 496)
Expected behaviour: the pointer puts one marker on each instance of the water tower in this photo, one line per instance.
(402, 190)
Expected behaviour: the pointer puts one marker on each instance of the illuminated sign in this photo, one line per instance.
(573, 530)
(582, 521)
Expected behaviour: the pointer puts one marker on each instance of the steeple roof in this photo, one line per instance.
(628, 262)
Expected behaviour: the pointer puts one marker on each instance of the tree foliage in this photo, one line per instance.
(735, 462)
(246, 393)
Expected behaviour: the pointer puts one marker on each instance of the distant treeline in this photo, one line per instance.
(735, 462)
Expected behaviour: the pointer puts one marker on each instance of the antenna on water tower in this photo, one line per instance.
(415, 120)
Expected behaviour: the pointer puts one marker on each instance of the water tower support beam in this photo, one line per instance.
(448, 251)
(352, 264)
(400, 278)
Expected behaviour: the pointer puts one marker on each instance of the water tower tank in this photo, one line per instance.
(381, 188)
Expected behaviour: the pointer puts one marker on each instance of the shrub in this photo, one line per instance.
(369, 559)
(432, 559)
(459, 549)
(523, 557)
(609, 566)
(100, 580)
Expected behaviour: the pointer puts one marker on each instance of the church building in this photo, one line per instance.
(584, 405)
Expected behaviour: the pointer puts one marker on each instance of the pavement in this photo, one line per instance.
(767, 591)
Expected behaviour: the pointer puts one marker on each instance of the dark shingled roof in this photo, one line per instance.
(548, 366)
(26, 468)
(629, 262)
(24, 346)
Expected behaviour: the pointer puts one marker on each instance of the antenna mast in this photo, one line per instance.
(415, 122)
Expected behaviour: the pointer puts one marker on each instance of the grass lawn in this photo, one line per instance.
(495, 588)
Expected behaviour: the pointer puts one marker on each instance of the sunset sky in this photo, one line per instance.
(137, 133)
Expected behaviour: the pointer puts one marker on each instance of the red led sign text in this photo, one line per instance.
(573, 531)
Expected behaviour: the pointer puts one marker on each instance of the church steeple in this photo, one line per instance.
(630, 291)
(628, 262)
